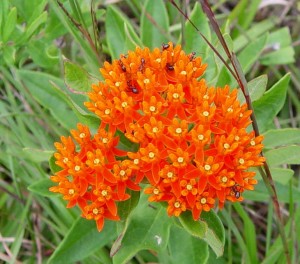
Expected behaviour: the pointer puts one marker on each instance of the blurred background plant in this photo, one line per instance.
(50, 52)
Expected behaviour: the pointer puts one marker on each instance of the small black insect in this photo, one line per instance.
(122, 66)
(165, 46)
(142, 66)
(170, 67)
(192, 56)
(236, 190)
(132, 88)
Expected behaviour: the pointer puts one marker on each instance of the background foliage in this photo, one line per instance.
(47, 63)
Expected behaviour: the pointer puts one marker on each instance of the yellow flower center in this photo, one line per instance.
(195, 68)
(183, 73)
(205, 97)
(104, 193)
(180, 159)
(155, 129)
(131, 64)
(175, 95)
(177, 204)
(170, 174)
(155, 191)
(151, 155)
(105, 140)
(203, 200)
(124, 104)
(207, 167)
(230, 110)
(241, 115)
(95, 211)
(65, 160)
(136, 161)
(189, 187)
(206, 113)
(111, 73)
(96, 161)
(226, 146)
(117, 84)
(71, 191)
(122, 173)
(77, 168)
(241, 161)
(107, 111)
(224, 179)
(178, 130)
(200, 137)
(82, 135)
(252, 143)
(152, 108)
(158, 60)
(236, 138)
(146, 81)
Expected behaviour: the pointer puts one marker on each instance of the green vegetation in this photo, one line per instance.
(50, 54)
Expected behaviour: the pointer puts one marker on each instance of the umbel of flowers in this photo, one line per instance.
(194, 150)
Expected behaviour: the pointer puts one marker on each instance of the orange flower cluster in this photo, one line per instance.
(193, 143)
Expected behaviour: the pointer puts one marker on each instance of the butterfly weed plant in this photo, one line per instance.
(166, 152)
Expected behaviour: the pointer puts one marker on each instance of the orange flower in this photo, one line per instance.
(193, 144)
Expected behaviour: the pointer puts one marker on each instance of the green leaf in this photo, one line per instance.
(256, 88)
(30, 30)
(283, 155)
(280, 175)
(9, 55)
(82, 240)
(252, 52)
(88, 119)
(249, 233)
(184, 248)
(117, 40)
(195, 228)
(281, 137)
(261, 194)
(37, 155)
(10, 24)
(267, 107)
(281, 51)
(154, 23)
(125, 144)
(41, 187)
(126, 207)
(195, 43)
(215, 235)
(53, 167)
(148, 228)
(253, 33)
(77, 78)
(43, 53)
(38, 85)
(282, 56)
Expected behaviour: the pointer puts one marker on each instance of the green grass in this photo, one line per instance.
(37, 106)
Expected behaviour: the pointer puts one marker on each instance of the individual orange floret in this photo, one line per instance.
(123, 175)
(98, 211)
(176, 99)
(70, 192)
(157, 193)
(176, 206)
(178, 130)
(204, 202)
